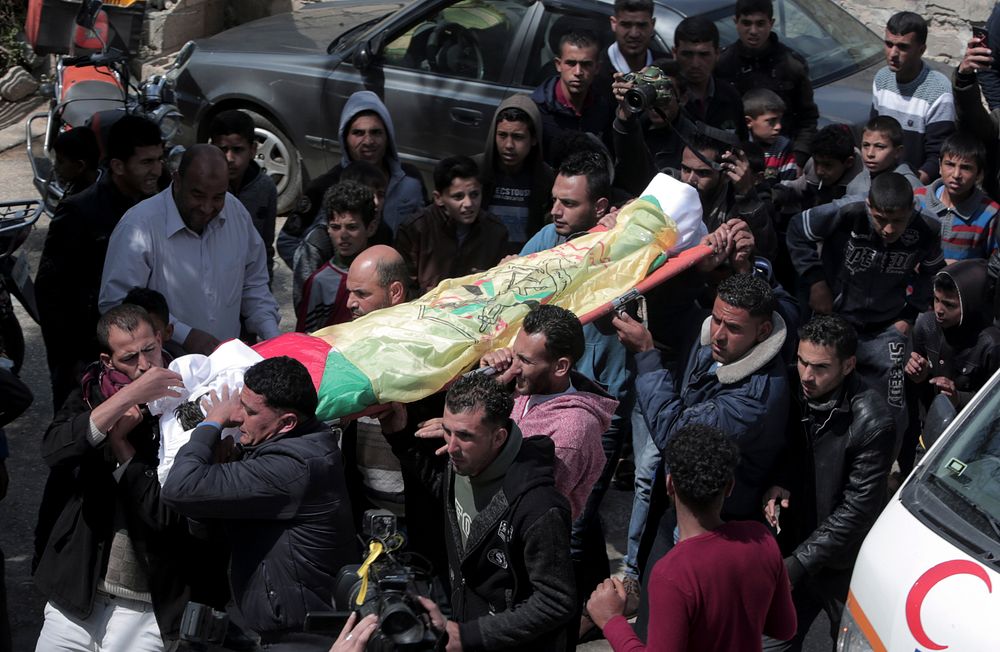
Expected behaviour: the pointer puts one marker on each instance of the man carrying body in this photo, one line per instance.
(728, 193)
(832, 482)
(182, 243)
(555, 401)
(69, 271)
(507, 525)
(282, 501)
(918, 97)
(113, 562)
(569, 101)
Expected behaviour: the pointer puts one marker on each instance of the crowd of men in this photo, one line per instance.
(762, 397)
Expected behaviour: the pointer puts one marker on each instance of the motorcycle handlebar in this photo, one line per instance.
(97, 59)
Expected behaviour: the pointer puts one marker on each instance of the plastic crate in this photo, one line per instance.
(51, 23)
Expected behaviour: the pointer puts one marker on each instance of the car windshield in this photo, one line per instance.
(965, 471)
(347, 39)
(832, 41)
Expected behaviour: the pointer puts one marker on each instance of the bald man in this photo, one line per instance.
(196, 244)
(377, 279)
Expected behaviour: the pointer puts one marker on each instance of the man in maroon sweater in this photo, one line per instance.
(722, 585)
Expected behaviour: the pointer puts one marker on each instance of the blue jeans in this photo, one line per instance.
(648, 459)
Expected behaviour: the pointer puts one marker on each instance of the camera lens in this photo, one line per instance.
(399, 622)
(640, 98)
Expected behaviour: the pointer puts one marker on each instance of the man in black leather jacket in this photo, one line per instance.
(831, 484)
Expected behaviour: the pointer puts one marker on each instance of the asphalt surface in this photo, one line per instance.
(28, 472)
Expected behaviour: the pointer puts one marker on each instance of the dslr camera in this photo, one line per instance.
(391, 593)
(652, 88)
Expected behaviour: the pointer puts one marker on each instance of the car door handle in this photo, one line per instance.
(468, 117)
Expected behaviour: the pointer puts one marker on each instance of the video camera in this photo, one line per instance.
(652, 88)
(385, 586)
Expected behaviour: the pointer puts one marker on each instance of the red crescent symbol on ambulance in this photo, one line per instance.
(928, 581)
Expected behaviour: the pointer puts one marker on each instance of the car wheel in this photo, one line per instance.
(278, 156)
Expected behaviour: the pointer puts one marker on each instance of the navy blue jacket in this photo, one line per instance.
(746, 399)
(285, 508)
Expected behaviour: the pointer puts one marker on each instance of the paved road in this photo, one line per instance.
(28, 473)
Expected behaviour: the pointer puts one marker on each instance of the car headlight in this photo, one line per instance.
(169, 120)
(851, 638)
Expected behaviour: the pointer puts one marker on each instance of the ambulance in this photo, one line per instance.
(928, 574)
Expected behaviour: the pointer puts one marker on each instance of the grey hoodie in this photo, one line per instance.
(404, 196)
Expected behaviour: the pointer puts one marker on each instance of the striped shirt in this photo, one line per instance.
(779, 161)
(924, 107)
(324, 299)
(967, 229)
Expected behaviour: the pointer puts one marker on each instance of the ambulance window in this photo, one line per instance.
(965, 471)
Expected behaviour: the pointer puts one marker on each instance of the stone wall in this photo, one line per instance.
(183, 20)
(949, 21)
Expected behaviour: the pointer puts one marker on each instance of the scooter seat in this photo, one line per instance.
(86, 97)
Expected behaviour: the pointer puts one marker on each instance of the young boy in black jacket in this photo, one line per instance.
(956, 347)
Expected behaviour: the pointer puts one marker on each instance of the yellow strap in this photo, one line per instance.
(374, 550)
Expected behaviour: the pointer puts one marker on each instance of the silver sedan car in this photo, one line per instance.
(443, 66)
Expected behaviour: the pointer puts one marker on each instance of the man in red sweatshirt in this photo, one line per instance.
(723, 584)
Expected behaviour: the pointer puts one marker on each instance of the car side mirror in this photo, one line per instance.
(363, 56)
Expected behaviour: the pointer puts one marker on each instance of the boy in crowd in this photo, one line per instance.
(516, 178)
(453, 236)
(724, 584)
(315, 247)
(763, 111)
(877, 257)
(967, 215)
(77, 154)
(233, 132)
(881, 151)
(350, 211)
(956, 347)
(759, 60)
(835, 162)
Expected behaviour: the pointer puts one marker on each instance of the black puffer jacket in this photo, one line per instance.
(843, 458)
(512, 583)
(285, 508)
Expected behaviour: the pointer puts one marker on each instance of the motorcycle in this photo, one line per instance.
(16, 221)
(93, 90)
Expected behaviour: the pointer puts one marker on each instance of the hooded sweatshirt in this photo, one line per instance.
(968, 353)
(574, 420)
(404, 195)
(521, 200)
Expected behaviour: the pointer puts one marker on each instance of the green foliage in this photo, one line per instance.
(12, 13)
